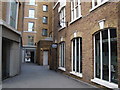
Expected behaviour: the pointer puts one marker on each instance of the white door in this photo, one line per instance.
(45, 57)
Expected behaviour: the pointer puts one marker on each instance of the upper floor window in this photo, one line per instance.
(31, 13)
(13, 14)
(75, 9)
(45, 20)
(62, 17)
(44, 32)
(30, 40)
(97, 2)
(31, 26)
(32, 2)
(45, 8)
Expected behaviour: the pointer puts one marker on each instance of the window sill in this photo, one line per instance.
(75, 20)
(61, 28)
(76, 74)
(32, 5)
(30, 18)
(98, 5)
(62, 68)
(30, 31)
(104, 83)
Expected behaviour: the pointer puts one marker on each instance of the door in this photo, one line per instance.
(45, 57)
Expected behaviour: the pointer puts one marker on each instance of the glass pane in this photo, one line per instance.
(44, 32)
(77, 56)
(63, 56)
(32, 2)
(105, 55)
(77, 12)
(97, 55)
(114, 66)
(44, 19)
(74, 55)
(45, 8)
(80, 55)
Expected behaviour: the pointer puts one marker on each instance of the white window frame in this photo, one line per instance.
(45, 17)
(30, 29)
(75, 72)
(31, 13)
(30, 39)
(62, 18)
(31, 2)
(73, 10)
(9, 11)
(99, 3)
(61, 58)
(100, 80)
(46, 8)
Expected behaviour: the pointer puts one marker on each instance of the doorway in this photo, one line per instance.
(45, 57)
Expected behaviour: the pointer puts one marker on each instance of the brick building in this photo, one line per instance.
(11, 25)
(37, 27)
(88, 39)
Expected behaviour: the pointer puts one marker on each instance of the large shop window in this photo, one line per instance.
(77, 55)
(106, 56)
(75, 9)
(62, 55)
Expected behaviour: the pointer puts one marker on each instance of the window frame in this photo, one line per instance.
(100, 80)
(44, 32)
(46, 6)
(79, 73)
(30, 43)
(45, 20)
(31, 28)
(33, 14)
(73, 10)
(62, 56)
(62, 15)
(31, 3)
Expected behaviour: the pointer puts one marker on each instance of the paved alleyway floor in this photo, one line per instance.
(34, 76)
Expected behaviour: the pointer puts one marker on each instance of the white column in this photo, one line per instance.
(75, 53)
(79, 56)
(72, 56)
(101, 55)
(94, 57)
(0, 57)
(109, 55)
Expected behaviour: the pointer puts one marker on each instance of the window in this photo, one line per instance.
(31, 26)
(105, 44)
(13, 14)
(44, 32)
(45, 20)
(32, 2)
(77, 55)
(62, 17)
(30, 40)
(45, 8)
(62, 55)
(31, 13)
(97, 2)
(75, 9)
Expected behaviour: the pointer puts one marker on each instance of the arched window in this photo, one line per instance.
(77, 56)
(105, 55)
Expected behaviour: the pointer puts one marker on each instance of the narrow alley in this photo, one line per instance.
(34, 76)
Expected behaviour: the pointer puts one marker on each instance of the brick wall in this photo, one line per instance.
(86, 26)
